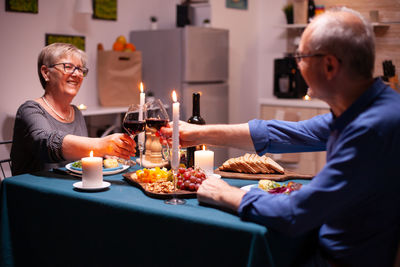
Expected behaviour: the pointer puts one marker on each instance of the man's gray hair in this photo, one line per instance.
(53, 52)
(352, 43)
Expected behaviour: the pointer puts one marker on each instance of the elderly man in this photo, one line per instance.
(354, 201)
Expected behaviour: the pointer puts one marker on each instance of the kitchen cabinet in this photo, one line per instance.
(304, 163)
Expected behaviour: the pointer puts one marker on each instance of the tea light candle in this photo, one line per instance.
(92, 171)
(204, 159)
(82, 107)
(175, 132)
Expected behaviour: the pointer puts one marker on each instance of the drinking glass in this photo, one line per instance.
(134, 122)
(156, 117)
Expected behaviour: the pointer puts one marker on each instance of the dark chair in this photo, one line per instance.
(5, 164)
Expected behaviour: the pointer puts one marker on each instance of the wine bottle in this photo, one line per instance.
(195, 119)
(311, 10)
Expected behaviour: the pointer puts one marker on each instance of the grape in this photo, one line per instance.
(179, 182)
(197, 187)
(186, 183)
(193, 179)
(199, 180)
(192, 186)
(186, 176)
(181, 170)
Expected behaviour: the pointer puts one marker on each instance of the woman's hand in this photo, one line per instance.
(217, 192)
(118, 144)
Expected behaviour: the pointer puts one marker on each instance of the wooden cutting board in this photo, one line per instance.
(274, 177)
(130, 178)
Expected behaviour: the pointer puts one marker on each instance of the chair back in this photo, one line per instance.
(5, 163)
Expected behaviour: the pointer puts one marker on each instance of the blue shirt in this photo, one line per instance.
(354, 200)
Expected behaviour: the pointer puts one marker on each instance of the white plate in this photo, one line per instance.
(249, 187)
(79, 186)
(105, 172)
(215, 175)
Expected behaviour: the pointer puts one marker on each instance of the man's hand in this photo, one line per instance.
(217, 192)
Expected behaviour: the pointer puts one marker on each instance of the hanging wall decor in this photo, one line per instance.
(78, 41)
(105, 9)
(239, 4)
(27, 6)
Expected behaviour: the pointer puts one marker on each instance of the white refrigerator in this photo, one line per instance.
(190, 59)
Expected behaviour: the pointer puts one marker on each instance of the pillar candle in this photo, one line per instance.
(204, 159)
(92, 171)
(175, 132)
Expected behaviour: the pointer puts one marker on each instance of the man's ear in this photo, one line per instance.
(45, 72)
(331, 66)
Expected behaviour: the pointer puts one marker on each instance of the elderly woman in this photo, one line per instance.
(49, 131)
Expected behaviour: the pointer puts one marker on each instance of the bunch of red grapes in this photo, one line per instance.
(190, 179)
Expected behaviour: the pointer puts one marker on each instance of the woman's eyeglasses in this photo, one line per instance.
(70, 68)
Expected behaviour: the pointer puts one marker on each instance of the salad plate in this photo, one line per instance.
(106, 171)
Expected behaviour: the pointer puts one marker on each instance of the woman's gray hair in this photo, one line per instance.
(53, 52)
(352, 43)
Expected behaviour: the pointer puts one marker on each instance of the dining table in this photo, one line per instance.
(46, 221)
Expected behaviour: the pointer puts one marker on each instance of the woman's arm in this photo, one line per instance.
(120, 145)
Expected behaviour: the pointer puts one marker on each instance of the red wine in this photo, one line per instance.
(195, 119)
(156, 123)
(134, 127)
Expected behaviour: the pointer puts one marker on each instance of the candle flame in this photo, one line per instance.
(174, 97)
(204, 147)
(306, 97)
(91, 153)
(141, 87)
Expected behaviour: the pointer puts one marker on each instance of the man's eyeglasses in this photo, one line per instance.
(298, 56)
(70, 68)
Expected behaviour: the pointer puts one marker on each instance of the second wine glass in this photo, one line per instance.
(156, 116)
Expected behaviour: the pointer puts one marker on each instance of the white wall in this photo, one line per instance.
(255, 39)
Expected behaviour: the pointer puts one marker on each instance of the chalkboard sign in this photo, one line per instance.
(78, 41)
(105, 9)
(27, 6)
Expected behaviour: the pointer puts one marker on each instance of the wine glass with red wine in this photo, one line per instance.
(134, 120)
(157, 117)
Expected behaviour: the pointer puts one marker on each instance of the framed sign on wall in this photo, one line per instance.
(105, 9)
(78, 41)
(239, 4)
(27, 6)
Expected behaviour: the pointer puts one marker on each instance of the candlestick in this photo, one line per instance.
(175, 132)
(204, 159)
(141, 135)
(92, 171)
(175, 150)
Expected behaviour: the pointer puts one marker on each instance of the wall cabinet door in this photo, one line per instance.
(304, 163)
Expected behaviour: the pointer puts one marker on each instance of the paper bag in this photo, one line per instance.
(118, 77)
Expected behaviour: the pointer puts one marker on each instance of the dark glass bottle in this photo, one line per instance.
(311, 10)
(196, 119)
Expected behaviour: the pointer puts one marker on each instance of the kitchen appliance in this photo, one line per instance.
(189, 59)
(288, 82)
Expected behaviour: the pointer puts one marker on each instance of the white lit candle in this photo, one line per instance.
(175, 132)
(141, 103)
(204, 159)
(92, 171)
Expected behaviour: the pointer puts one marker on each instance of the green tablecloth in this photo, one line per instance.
(46, 222)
